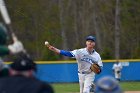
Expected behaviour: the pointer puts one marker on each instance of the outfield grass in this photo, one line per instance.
(66, 87)
(130, 86)
(74, 87)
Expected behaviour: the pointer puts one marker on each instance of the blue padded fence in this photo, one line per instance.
(67, 72)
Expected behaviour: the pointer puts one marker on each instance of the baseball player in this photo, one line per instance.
(85, 58)
(117, 67)
(14, 48)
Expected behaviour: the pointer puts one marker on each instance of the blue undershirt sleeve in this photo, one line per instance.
(66, 53)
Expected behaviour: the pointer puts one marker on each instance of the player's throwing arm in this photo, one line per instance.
(52, 48)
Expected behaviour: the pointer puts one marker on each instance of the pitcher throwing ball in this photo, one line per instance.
(88, 60)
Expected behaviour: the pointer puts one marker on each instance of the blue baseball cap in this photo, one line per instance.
(108, 84)
(90, 38)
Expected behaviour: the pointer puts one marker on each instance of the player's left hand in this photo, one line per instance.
(95, 68)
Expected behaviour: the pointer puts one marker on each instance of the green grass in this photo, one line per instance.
(130, 86)
(74, 87)
(66, 87)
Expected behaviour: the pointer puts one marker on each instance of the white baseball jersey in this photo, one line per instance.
(117, 67)
(85, 59)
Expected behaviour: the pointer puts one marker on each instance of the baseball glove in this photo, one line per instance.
(95, 68)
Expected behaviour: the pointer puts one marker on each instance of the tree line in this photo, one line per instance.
(66, 23)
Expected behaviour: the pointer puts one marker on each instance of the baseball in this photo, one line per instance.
(46, 43)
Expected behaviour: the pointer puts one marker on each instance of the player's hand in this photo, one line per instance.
(95, 68)
(16, 47)
(51, 48)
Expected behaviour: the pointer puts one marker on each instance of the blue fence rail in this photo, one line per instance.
(67, 72)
